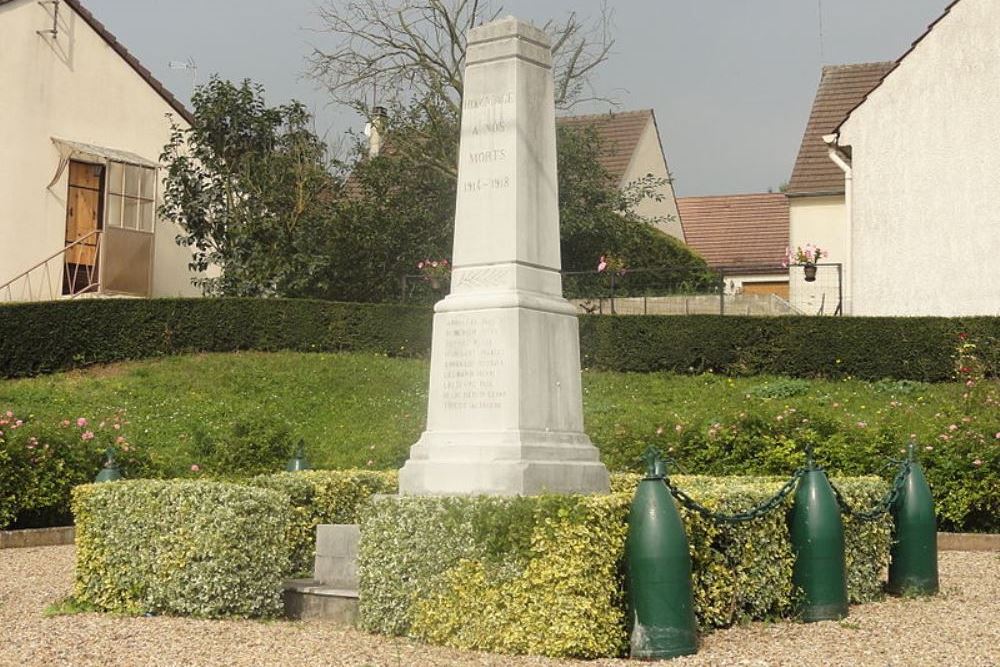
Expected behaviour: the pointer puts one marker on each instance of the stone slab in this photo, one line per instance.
(336, 563)
(337, 539)
(307, 599)
(37, 537)
(968, 542)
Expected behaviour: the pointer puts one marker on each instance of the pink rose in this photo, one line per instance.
(81, 422)
(120, 439)
(87, 435)
(195, 467)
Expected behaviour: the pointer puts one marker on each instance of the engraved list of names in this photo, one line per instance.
(473, 363)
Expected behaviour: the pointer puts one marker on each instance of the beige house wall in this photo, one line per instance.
(648, 159)
(925, 154)
(821, 221)
(73, 86)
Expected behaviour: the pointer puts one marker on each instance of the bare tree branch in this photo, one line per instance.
(411, 48)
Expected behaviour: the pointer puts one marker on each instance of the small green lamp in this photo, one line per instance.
(299, 462)
(110, 471)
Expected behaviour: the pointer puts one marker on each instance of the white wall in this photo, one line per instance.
(73, 87)
(926, 158)
(648, 159)
(821, 221)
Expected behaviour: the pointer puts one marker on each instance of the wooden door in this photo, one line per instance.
(84, 215)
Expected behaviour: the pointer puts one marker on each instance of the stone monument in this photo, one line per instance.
(505, 414)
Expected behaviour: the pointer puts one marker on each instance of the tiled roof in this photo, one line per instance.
(133, 62)
(619, 134)
(737, 231)
(841, 88)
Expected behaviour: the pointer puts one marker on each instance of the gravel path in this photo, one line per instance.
(961, 627)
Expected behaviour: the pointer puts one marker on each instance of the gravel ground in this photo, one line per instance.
(958, 628)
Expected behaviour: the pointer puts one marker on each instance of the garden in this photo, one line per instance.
(203, 418)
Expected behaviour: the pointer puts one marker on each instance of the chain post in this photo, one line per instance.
(913, 559)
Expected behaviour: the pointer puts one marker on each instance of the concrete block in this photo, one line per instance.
(306, 599)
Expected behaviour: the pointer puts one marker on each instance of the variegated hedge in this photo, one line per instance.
(191, 548)
(542, 575)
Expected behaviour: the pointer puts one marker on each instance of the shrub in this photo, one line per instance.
(871, 348)
(206, 549)
(51, 336)
(542, 575)
(41, 462)
(322, 496)
(253, 446)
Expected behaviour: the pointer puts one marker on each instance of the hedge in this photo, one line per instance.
(193, 548)
(867, 348)
(51, 336)
(322, 496)
(542, 575)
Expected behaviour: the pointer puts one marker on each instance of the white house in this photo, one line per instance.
(631, 149)
(82, 126)
(923, 160)
(816, 190)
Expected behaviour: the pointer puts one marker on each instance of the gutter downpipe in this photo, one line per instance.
(844, 162)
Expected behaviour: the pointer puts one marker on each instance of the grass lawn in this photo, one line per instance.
(359, 410)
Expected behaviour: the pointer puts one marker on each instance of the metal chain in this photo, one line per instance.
(883, 506)
(737, 517)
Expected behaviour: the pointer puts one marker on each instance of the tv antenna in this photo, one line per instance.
(188, 65)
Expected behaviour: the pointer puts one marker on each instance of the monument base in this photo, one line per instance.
(503, 463)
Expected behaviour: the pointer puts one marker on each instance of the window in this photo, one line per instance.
(131, 196)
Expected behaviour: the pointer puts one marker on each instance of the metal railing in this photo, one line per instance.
(679, 291)
(70, 272)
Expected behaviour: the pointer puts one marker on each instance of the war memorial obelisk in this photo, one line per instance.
(505, 413)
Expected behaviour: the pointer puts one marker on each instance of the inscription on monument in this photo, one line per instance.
(485, 118)
(473, 361)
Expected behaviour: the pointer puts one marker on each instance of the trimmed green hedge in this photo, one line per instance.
(323, 496)
(868, 348)
(52, 336)
(542, 575)
(192, 548)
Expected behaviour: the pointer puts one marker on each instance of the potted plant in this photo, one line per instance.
(807, 258)
(434, 271)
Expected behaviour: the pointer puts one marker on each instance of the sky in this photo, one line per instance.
(731, 81)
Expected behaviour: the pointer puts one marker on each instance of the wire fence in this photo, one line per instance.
(760, 290)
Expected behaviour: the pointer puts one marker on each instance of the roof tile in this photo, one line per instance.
(841, 88)
(619, 134)
(737, 231)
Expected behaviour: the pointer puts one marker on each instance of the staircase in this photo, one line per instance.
(71, 272)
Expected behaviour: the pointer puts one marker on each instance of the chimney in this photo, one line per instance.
(376, 130)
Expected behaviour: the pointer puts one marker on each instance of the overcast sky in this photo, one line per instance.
(731, 81)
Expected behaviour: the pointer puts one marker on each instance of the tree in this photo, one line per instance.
(394, 212)
(413, 51)
(249, 187)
